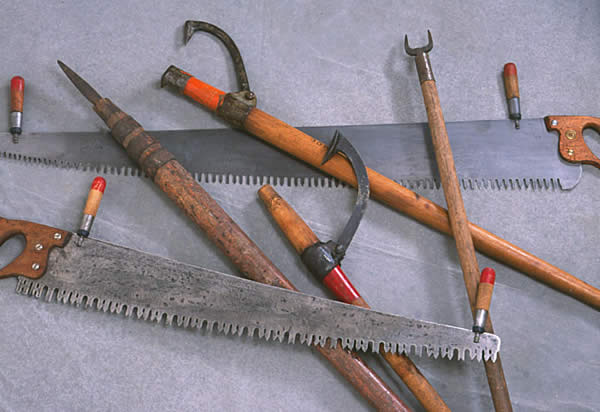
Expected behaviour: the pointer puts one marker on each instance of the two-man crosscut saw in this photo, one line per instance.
(488, 153)
(125, 281)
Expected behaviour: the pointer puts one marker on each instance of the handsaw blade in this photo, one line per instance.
(487, 154)
(126, 281)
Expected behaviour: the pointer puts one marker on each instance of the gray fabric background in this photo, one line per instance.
(310, 63)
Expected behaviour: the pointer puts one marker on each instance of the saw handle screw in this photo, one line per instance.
(484, 299)
(91, 209)
(511, 86)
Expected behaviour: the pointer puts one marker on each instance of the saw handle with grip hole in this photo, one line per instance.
(39, 240)
(571, 145)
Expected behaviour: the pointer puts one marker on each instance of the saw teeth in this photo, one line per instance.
(413, 183)
(41, 291)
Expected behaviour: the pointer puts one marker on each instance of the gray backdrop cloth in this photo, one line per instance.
(310, 63)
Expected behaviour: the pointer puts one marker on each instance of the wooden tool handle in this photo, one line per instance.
(571, 145)
(17, 89)
(301, 237)
(511, 81)
(39, 240)
(306, 148)
(180, 186)
(95, 196)
(461, 231)
(456, 210)
(485, 289)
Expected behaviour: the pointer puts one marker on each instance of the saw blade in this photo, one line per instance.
(125, 281)
(488, 154)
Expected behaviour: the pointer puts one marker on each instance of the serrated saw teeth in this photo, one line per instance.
(411, 182)
(40, 291)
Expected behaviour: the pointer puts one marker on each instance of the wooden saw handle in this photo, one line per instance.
(571, 145)
(39, 240)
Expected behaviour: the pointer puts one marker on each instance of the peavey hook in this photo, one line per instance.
(321, 257)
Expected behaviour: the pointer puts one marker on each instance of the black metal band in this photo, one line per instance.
(319, 259)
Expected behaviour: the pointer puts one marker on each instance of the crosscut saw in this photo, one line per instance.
(125, 281)
(488, 153)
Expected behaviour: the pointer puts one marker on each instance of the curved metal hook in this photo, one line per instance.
(413, 52)
(190, 27)
(339, 144)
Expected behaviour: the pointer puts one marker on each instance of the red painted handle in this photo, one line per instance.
(95, 196)
(337, 282)
(17, 88)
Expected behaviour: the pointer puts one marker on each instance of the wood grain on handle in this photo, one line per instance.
(462, 234)
(33, 260)
(311, 151)
(301, 236)
(304, 147)
(571, 145)
(511, 81)
(459, 223)
(17, 92)
(181, 187)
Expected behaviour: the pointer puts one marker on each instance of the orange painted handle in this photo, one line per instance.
(203, 93)
(17, 89)
(95, 196)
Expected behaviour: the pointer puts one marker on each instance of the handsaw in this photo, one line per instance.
(125, 281)
(488, 153)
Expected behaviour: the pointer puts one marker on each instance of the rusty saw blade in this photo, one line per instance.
(488, 154)
(125, 281)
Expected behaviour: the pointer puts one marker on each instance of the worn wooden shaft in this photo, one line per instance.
(459, 225)
(301, 237)
(180, 186)
(306, 148)
(457, 215)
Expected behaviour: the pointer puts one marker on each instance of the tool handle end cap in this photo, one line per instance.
(510, 69)
(17, 84)
(99, 184)
(488, 275)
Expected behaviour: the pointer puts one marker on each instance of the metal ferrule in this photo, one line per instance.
(424, 67)
(319, 259)
(16, 120)
(86, 225)
(480, 318)
(176, 77)
(514, 108)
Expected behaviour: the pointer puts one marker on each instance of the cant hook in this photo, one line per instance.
(190, 27)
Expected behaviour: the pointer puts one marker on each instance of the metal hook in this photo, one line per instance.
(419, 50)
(322, 257)
(190, 27)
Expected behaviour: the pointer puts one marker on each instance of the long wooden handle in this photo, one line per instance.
(460, 229)
(457, 215)
(180, 186)
(301, 236)
(311, 151)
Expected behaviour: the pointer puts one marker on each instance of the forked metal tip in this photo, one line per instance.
(413, 52)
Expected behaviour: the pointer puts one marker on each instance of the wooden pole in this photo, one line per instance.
(181, 187)
(302, 146)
